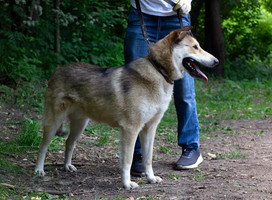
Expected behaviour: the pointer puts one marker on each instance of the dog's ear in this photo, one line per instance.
(182, 35)
(179, 34)
(186, 28)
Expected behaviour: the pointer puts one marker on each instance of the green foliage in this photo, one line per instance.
(28, 95)
(29, 134)
(247, 33)
(89, 32)
(96, 34)
(238, 28)
(93, 32)
(267, 5)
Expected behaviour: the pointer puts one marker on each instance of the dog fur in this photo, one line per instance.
(132, 97)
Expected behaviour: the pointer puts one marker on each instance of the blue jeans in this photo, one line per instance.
(184, 92)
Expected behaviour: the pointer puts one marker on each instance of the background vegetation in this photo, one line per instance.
(93, 31)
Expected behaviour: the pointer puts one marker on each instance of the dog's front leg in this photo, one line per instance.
(147, 136)
(128, 139)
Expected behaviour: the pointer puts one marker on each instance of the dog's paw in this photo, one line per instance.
(70, 168)
(130, 185)
(154, 179)
(39, 172)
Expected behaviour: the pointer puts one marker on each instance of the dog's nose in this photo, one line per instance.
(215, 62)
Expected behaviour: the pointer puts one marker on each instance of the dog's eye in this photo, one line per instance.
(195, 47)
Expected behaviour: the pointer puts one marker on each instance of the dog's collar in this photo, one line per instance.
(161, 70)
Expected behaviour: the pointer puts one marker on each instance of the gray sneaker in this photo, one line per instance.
(136, 167)
(189, 159)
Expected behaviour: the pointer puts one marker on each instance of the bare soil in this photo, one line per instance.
(242, 168)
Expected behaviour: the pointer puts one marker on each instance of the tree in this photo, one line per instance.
(57, 28)
(214, 41)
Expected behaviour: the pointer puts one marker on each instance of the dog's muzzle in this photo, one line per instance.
(193, 70)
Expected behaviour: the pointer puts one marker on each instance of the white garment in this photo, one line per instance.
(155, 7)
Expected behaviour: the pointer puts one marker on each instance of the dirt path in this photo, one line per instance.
(242, 169)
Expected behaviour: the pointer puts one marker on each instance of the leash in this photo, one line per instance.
(141, 18)
(177, 9)
(142, 22)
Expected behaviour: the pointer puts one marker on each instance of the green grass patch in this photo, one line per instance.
(29, 134)
(223, 99)
(226, 99)
(103, 134)
(199, 175)
(7, 166)
(8, 194)
(233, 154)
(164, 149)
(8, 147)
(173, 176)
(27, 95)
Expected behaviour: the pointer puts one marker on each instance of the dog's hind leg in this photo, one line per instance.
(50, 125)
(147, 136)
(77, 126)
(61, 132)
(128, 139)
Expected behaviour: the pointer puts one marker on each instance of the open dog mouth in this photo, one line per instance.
(193, 70)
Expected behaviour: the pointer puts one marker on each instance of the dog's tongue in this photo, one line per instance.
(205, 78)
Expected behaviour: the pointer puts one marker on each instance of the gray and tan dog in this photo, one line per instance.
(132, 97)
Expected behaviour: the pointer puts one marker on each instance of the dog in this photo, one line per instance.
(133, 97)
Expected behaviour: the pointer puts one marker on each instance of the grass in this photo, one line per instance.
(173, 176)
(9, 167)
(164, 149)
(29, 134)
(220, 100)
(199, 175)
(102, 134)
(27, 95)
(8, 194)
(226, 99)
(233, 154)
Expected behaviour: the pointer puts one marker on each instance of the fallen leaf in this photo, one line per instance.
(212, 155)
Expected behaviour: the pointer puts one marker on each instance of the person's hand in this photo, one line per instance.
(184, 5)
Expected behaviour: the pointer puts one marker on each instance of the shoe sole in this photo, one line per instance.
(199, 160)
(137, 174)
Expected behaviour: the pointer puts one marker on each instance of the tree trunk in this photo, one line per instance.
(195, 13)
(15, 16)
(34, 12)
(214, 41)
(57, 29)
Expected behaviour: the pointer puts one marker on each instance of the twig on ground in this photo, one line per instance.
(8, 185)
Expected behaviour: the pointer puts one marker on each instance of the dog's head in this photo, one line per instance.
(187, 51)
(184, 50)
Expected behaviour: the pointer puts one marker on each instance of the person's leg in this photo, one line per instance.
(188, 127)
(185, 103)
